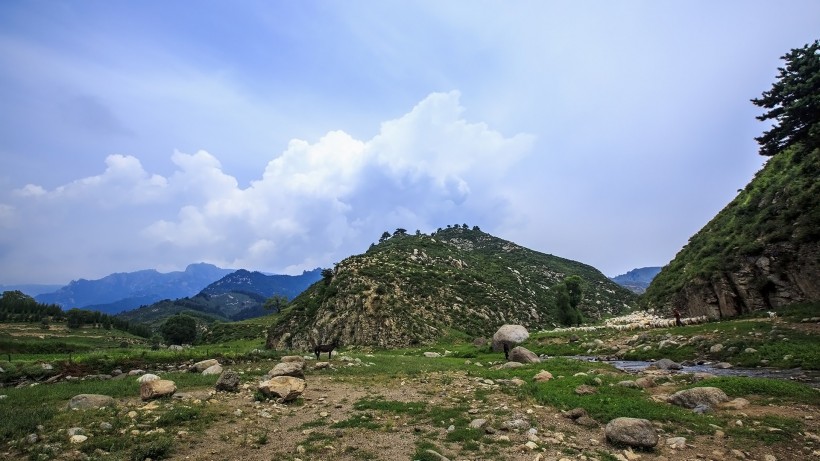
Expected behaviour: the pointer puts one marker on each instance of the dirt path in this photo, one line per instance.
(328, 426)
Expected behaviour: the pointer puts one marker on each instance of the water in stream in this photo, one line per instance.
(810, 377)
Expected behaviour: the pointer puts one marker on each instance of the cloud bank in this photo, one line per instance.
(315, 203)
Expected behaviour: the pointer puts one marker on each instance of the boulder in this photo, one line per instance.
(523, 355)
(542, 376)
(228, 381)
(147, 377)
(432, 355)
(508, 365)
(156, 389)
(199, 367)
(645, 382)
(631, 432)
(666, 364)
(295, 369)
(213, 370)
(90, 401)
(286, 388)
(511, 335)
(292, 358)
(691, 398)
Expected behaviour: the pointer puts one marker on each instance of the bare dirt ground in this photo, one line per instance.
(249, 430)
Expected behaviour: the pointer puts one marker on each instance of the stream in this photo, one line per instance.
(808, 377)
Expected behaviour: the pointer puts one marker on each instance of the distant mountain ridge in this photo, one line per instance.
(239, 295)
(126, 290)
(266, 285)
(637, 279)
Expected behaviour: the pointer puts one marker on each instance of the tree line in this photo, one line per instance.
(18, 307)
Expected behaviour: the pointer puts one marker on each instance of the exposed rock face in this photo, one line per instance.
(523, 355)
(632, 432)
(286, 388)
(409, 291)
(782, 275)
(156, 389)
(90, 401)
(761, 252)
(691, 398)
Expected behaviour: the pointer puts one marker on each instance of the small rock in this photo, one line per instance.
(735, 404)
(228, 381)
(478, 423)
(199, 367)
(432, 355)
(691, 398)
(585, 389)
(632, 432)
(677, 443)
(213, 370)
(147, 377)
(531, 445)
(90, 401)
(716, 348)
(542, 376)
(77, 438)
(156, 389)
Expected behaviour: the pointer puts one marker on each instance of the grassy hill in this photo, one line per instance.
(413, 289)
(762, 251)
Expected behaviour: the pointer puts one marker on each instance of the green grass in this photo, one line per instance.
(773, 390)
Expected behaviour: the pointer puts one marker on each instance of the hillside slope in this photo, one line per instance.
(412, 289)
(762, 251)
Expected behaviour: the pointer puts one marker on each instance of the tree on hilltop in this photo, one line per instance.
(793, 103)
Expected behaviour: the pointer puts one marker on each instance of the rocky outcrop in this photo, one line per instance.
(782, 275)
(412, 290)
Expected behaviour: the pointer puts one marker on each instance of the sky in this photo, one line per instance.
(282, 136)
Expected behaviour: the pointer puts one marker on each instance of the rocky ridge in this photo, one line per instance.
(418, 289)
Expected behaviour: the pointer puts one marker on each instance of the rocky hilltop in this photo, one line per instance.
(760, 252)
(417, 289)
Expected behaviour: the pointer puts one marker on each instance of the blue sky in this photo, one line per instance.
(283, 136)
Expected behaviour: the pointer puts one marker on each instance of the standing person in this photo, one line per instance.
(676, 313)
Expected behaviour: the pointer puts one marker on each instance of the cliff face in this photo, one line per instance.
(761, 252)
(782, 275)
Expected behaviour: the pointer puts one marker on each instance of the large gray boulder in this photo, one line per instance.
(632, 432)
(199, 367)
(286, 388)
(213, 370)
(691, 398)
(295, 369)
(90, 402)
(523, 355)
(509, 335)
